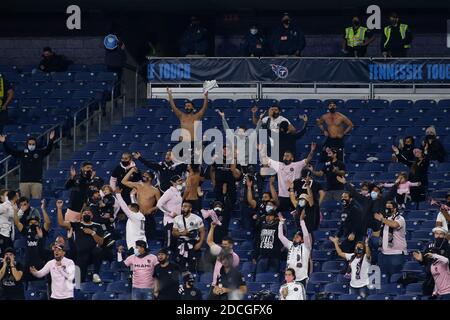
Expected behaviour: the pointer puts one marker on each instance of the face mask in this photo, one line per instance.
(88, 174)
(430, 136)
(136, 252)
(189, 111)
(33, 228)
(438, 242)
(275, 115)
(359, 250)
(332, 110)
(365, 193)
(87, 218)
(302, 203)
(356, 23)
(125, 163)
(287, 162)
(253, 31)
(374, 195)
(31, 147)
(388, 211)
(179, 187)
(218, 209)
(269, 208)
(345, 202)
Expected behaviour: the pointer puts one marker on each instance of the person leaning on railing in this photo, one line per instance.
(31, 160)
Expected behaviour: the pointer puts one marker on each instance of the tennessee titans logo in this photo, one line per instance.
(280, 71)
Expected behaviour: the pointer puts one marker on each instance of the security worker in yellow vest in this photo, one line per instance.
(6, 96)
(356, 39)
(396, 38)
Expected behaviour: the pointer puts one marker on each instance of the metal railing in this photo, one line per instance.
(6, 161)
(86, 121)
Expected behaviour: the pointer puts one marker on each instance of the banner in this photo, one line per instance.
(299, 70)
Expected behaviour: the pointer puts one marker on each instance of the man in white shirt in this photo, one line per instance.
(170, 204)
(443, 217)
(273, 120)
(62, 272)
(7, 220)
(135, 229)
(292, 290)
(189, 230)
(287, 171)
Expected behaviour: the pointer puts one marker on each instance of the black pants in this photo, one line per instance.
(190, 262)
(3, 120)
(359, 51)
(5, 242)
(169, 240)
(336, 143)
(150, 226)
(229, 198)
(85, 258)
(285, 204)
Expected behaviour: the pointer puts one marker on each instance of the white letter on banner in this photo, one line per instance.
(74, 20)
(374, 20)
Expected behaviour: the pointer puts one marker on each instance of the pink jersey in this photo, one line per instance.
(142, 268)
(441, 274)
(403, 188)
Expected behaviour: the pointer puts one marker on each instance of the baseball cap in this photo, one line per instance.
(439, 229)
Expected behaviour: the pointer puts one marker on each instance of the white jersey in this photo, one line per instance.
(295, 291)
(135, 229)
(360, 270)
(298, 259)
(191, 223)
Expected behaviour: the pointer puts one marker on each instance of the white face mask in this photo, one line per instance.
(31, 147)
(302, 202)
(253, 31)
(179, 187)
(374, 195)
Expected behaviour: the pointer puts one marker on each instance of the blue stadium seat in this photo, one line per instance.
(322, 277)
(267, 277)
(35, 295)
(334, 266)
(391, 288)
(84, 76)
(289, 103)
(414, 289)
(119, 287)
(206, 277)
(413, 267)
(91, 287)
(336, 288)
(350, 297)
(104, 296)
(407, 297)
(312, 288)
(379, 297)
(107, 77)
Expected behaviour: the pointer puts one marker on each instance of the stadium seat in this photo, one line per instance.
(104, 296)
(379, 297)
(334, 266)
(119, 287)
(350, 297)
(35, 295)
(407, 297)
(322, 277)
(336, 288)
(414, 289)
(267, 277)
(412, 266)
(91, 287)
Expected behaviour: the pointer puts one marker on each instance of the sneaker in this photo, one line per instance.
(209, 85)
(96, 278)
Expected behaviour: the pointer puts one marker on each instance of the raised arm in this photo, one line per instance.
(339, 251)
(210, 239)
(61, 222)
(254, 117)
(273, 191)
(47, 221)
(8, 148)
(311, 153)
(17, 222)
(122, 204)
(177, 111)
(251, 201)
(49, 146)
(202, 111)
(126, 180)
(285, 241)
(306, 235)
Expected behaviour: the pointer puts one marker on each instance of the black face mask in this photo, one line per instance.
(87, 174)
(33, 228)
(189, 111)
(275, 115)
(190, 283)
(287, 162)
(125, 163)
(87, 218)
(430, 137)
(356, 23)
(359, 250)
(388, 212)
(440, 243)
(332, 110)
(345, 202)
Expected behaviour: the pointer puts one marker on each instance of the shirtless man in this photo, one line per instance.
(147, 197)
(193, 190)
(338, 126)
(188, 117)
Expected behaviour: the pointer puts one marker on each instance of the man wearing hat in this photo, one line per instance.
(299, 249)
(35, 236)
(142, 264)
(167, 275)
(287, 40)
(267, 246)
(62, 272)
(188, 291)
(11, 273)
(170, 204)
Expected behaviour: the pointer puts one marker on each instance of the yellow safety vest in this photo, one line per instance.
(355, 40)
(2, 91)
(403, 28)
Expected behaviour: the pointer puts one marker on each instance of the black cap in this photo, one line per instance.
(188, 277)
(164, 251)
(10, 250)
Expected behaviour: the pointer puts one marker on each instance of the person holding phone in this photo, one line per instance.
(11, 273)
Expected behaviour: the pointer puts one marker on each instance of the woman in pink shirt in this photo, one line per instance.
(403, 189)
(142, 264)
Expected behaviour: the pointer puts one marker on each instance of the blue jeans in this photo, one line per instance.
(141, 294)
(444, 297)
(390, 264)
(268, 265)
(362, 292)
